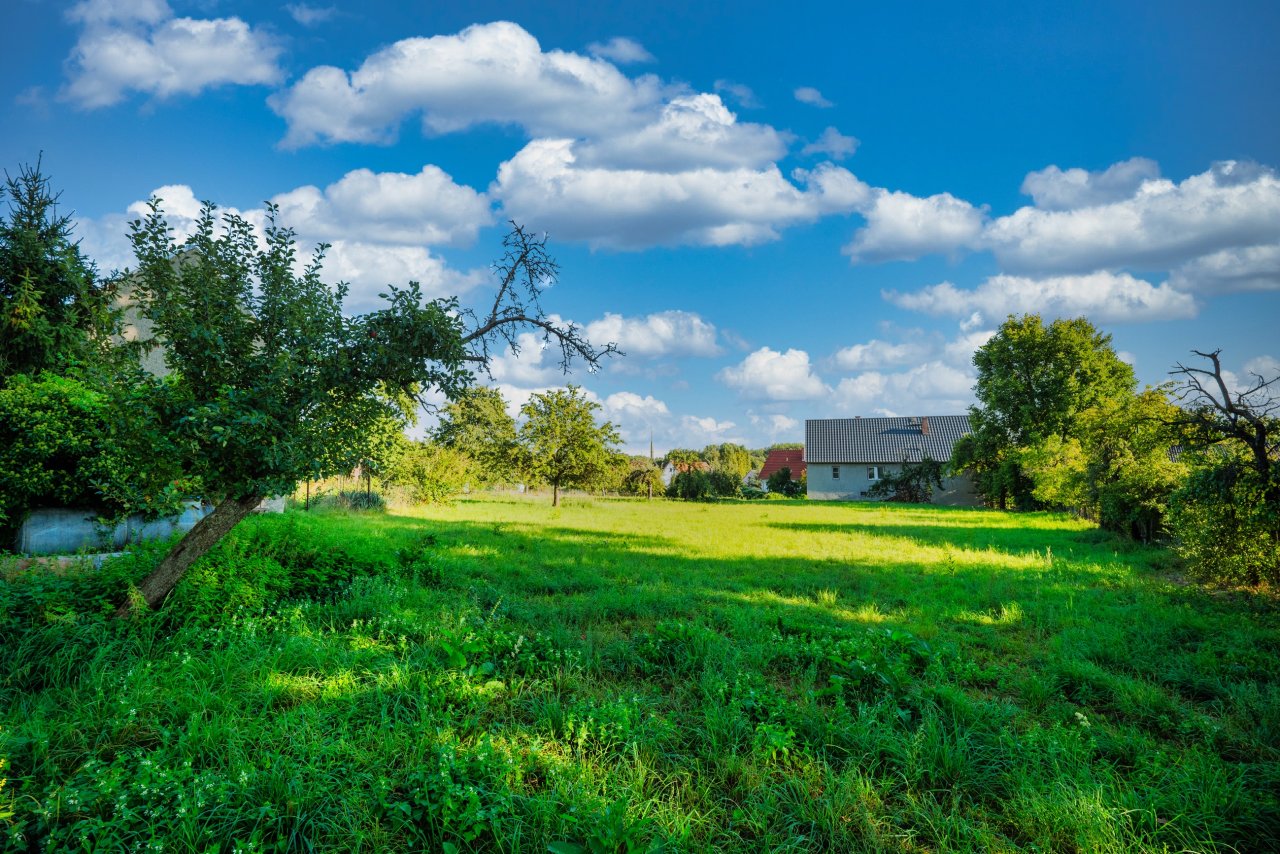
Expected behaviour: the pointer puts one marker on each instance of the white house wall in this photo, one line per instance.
(853, 484)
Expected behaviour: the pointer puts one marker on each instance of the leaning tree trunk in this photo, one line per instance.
(204, 536)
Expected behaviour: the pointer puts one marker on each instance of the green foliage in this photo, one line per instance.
(1033, 383)
(781, 483)
(477, 425)
(643, 478)
(63, 443)
(433, 473)
(563, 445)
(724, 483)
(54, 313)
(914, 484)
(1225, 528)
(1117, 468)
(277, 383)
(730, 458)
(691, 485)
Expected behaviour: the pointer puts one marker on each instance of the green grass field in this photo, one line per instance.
(626, 676)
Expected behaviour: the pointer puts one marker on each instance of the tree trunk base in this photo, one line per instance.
(157, 586)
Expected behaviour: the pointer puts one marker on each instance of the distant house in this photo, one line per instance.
(670, 469)
(846, 456)
(778, 459)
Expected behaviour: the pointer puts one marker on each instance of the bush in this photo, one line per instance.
(913, 485)
(692, 485)
(780, 483)
(359, 499)
(724, 483)
(63, 443)
(433, 474)
(1224, 528)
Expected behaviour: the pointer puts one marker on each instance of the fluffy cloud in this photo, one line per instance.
(545, 186)
(768, 374)
(777, 427)
(623, 51)
(1263, 366)
(662, 334)
(1062, 190)
(1253, 268)
(1103, 297)
(1232, 205)
(536, 364)
(388, 207)
(931, 388)
(142, 47)
(880, 354)
(488, 73)
(832, 143)
(380, 227)
(901, 226)
(812, 97)
(692, 131)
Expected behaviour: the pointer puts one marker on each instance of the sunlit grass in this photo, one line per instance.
(623, 674)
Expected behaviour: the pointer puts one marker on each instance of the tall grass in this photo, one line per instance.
(625, 676)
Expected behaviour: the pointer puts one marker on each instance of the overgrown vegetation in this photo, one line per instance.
(625, 676)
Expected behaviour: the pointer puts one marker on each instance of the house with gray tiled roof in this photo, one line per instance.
(846, 456)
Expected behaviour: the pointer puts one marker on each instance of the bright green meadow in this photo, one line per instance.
(622, 675)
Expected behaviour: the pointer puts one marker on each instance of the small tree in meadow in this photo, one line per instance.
(563, 445)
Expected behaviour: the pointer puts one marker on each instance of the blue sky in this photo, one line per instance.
(778, 212)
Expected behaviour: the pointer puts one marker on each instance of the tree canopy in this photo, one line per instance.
(54, 312)
(275, 383)
(476, 423)
(563, 444)
(1033, 382)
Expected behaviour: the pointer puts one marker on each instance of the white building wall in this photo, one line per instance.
(854, 480)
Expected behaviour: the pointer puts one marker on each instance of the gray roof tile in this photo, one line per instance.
(882, 440)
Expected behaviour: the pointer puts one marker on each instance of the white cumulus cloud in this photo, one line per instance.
(545, 187)
(1102, 297)
(1233, 205)
(1066, 189)
(901, 226)
(768, 374)
(487, 74)
(661, 334)
(142, 47)
(1253, 268)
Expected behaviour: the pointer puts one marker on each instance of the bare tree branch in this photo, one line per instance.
(1215, 415)
(524, 271)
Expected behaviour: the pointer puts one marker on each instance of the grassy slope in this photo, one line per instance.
(773, 675)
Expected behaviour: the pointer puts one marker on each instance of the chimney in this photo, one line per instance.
(924, 426)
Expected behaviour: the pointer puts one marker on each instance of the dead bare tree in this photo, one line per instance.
(1214, 414)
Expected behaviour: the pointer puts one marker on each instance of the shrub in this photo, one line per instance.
(359, 499)
(433, 474)
(724, 483)
(914, 484)
(781, 483)
(1224, 528)
(692, 485)
(63, 443)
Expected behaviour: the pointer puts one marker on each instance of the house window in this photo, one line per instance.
(873, 472)
(835, 472)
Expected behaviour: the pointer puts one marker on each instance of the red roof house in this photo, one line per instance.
(780, 459)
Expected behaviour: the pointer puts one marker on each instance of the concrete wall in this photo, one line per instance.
(853, 482)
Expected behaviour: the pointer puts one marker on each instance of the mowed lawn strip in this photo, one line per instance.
(619, 675)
